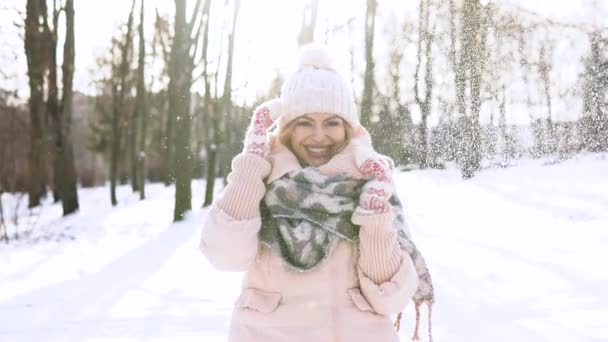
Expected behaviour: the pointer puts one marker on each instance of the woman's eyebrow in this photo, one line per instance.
(331, 118)
(306, 117)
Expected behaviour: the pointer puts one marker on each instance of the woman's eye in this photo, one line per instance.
(333, 123)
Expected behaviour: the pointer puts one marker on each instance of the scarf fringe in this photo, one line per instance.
(416, 336)
(397, 323)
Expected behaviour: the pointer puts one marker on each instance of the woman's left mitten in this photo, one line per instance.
(376, 193)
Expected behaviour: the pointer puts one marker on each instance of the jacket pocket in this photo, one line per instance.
(258, 300)
(359, 300)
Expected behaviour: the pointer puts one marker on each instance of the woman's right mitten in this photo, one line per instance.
(256, 141)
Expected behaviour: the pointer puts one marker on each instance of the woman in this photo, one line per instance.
(310, 214)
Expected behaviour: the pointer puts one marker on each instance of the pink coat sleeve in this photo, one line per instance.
(391, 296)
(229, 238)
(387, 275)
(229, 244)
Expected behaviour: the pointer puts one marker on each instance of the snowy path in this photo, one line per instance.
(517, 255)
(157, 291)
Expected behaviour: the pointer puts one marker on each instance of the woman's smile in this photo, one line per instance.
(317, 137)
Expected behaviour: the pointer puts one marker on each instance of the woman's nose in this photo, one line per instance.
(318, 134)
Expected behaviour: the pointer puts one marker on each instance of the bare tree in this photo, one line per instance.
(52, 102)
(467, 62)
(186, 43)
(544, 67)
(501, 60)
(395, 126)
(368, 80)
(162, 41)
(141, 111)
(227, 147)
(119, 93)
(210, 122)
(179, 105)
(425, 46)
(594, 123)
(68, 189)
(183, 51)
(36, 52)
(6, 161)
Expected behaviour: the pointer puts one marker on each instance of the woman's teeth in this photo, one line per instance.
(318, 150)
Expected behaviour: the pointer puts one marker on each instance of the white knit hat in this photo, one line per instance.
(316, 87)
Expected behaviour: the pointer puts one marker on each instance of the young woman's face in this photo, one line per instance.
(315, 138)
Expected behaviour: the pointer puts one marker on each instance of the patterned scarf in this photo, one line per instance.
(305, 212)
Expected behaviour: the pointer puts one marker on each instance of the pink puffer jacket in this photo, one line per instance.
(349, 297)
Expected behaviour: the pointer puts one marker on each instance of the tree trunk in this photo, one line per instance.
(167, 143)
(226, 148)
(508, 151)
(477, 36)
(468, 67)
(544, 69)
(425, 41)
(52, 108)
(167, 118)
(179, 89)
(69, 193)
(133, 129)
(208, 117)
(133, 146)
(35, 50)
(141, 109)
(119, 105)
(214, 126)
(457, 57)
(115, 145)
(210, 177)
(368, 80)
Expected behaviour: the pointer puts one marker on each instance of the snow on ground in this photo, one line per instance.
(516, 254)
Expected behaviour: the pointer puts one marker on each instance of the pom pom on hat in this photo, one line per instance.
(315, 56)
(317, 88)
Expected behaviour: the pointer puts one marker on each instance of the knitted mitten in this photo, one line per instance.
(376, 193)
(263, 117)
(377, 168)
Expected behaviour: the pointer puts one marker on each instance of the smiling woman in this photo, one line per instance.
(310, 213)
(315, 138)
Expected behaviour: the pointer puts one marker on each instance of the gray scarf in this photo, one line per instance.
(305, 212)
